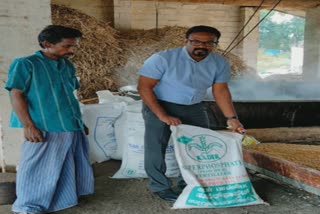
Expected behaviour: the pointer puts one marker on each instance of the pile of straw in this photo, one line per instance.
(99, 52)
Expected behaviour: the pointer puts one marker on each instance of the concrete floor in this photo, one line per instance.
(131, 196)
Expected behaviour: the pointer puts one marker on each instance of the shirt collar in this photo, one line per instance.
(60, 60)
(41, 55)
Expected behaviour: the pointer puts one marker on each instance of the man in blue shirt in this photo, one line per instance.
(172, 84)
(54, 169)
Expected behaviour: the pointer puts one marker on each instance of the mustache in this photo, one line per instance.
(201, 49)
(200, 52)
(68, 54)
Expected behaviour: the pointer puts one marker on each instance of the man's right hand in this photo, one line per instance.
(19, 104)
(169, 120)
(32, 134)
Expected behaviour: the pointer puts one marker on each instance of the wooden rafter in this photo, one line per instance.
(290, 4)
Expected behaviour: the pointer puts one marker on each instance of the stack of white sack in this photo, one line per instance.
(116, 131)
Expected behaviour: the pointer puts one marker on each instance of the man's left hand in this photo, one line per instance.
(235, 126)
(86, 130)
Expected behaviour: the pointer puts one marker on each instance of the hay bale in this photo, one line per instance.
(99, 50)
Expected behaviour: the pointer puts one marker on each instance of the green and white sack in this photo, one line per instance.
(211, 164)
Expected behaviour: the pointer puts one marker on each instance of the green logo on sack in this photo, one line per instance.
(184, 139)
(130, 171)
(204, 148)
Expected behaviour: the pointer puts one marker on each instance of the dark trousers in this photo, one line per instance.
(157, 135)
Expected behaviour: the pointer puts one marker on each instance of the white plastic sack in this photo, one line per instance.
(119, 129)
(131, 136)
(106, 96)
(211, 164)
(123, 123)
(100, 119)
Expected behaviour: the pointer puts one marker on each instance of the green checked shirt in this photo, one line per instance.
(48, 86)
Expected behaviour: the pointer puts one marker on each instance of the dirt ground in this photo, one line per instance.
(119, 196)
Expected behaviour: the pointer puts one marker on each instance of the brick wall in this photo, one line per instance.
(20, 23)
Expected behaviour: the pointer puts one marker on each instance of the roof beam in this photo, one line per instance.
(292, 4)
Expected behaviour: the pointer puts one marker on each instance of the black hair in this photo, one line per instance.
(55, 33)
(203, 28)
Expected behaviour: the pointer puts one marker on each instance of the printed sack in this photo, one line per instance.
(211, 164)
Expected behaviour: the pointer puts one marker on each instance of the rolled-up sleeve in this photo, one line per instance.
(223, 73)
(19, 75)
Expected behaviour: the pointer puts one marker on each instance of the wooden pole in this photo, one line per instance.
(3, 164)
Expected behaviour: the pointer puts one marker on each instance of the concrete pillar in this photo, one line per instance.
(248, 49)
(311, 59)
(20, 23)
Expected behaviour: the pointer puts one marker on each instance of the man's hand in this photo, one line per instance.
(86, 130)
(169, 120)
(32, 134)
(236, 126)
(145, 88)
(19, 104)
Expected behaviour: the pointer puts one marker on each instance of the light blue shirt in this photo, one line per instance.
(48, 87)
(182, 80)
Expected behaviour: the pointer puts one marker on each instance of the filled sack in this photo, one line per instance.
(211, 164)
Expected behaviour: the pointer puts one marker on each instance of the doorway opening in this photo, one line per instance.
(281, 44)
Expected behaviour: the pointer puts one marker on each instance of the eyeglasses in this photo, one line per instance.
(207, 44)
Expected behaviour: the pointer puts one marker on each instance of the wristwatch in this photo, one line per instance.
(232, 118)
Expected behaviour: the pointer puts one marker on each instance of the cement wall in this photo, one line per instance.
(20, 23)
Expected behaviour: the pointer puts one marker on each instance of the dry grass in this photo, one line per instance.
(99, 50)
